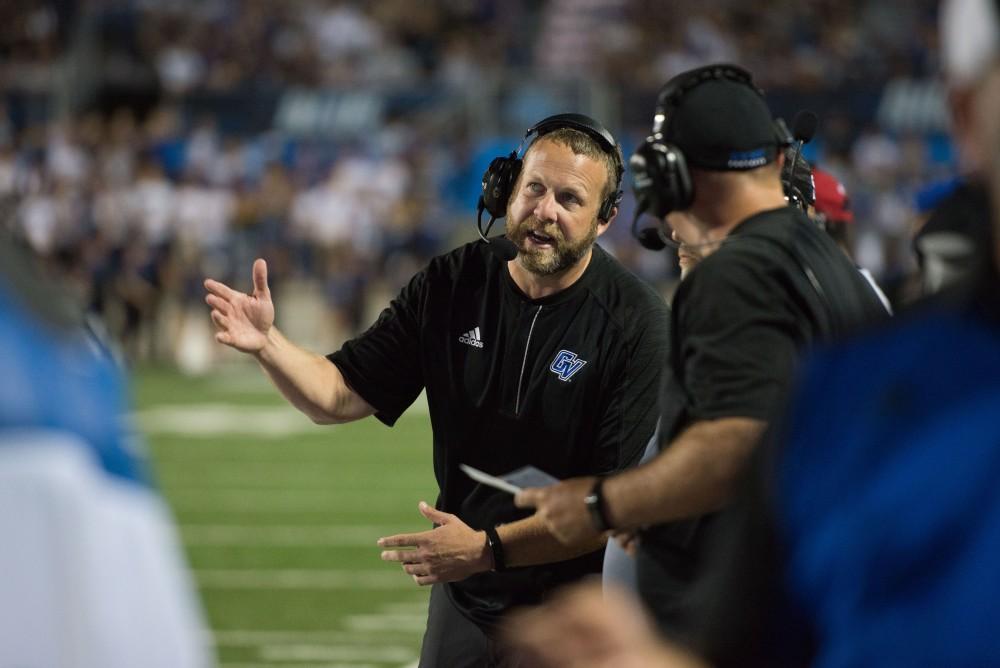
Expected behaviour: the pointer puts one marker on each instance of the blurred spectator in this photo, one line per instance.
(434, 72)
(831, 210)
(953, 243)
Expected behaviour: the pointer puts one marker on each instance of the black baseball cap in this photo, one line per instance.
(718, 119)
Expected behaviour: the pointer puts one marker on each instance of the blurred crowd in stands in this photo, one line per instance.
(147, 144)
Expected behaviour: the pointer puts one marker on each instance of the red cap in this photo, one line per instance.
(831, 197)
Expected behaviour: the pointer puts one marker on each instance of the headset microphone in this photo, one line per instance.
(502, 247)
(650, 238)
(804, 126)
(796, 174)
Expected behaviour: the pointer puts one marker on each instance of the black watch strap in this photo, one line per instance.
(496, 549)
(595, 505)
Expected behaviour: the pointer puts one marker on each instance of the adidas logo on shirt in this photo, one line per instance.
(471, 338)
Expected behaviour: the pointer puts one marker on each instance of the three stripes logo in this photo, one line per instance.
(471, 338)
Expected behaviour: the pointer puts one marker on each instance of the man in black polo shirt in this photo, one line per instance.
(550, 359)
(768, 283)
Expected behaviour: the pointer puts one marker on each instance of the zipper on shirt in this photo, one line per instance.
(524, 363)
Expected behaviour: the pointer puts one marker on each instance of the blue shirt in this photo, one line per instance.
(887, 492)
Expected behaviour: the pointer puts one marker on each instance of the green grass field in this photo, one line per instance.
(279, 519)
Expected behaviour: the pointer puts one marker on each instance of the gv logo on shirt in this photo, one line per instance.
(565, 364)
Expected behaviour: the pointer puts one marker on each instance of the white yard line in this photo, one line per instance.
(378, 653)
(218, 419)
(386, 622)
(267, 502)
(252, 535)
(297, 664)
(388, 579)
(253, 637)
(303, 477)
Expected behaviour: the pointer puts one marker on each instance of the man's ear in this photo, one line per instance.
(603, 225)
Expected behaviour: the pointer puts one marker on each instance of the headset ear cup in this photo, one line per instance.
(677, 170)
(498, 182)
(661, 177)
(608, 206)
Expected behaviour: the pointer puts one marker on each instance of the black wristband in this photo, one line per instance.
(496, 548)
(595, 504)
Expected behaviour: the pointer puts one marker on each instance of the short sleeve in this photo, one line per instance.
(738, 338)
(632, 408)
(383, 365)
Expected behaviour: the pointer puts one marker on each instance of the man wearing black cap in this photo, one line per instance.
(901, 570)
(549, 356)
(767, 283)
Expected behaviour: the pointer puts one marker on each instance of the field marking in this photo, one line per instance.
(249, 637)
(317, 477)
(215, 419)
(386, 621)
(249, 578)
(284, 535)
(258, 664)
(283, 501)
(418, 607)
(220, 419)
(379, 653)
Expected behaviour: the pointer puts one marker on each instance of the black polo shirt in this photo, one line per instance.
(740, 320)
(567, 383)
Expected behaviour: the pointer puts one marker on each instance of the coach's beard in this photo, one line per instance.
(548, 261)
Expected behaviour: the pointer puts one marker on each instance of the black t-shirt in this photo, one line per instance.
(567, 383)
(739, 321)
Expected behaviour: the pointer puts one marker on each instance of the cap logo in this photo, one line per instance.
(747, 159)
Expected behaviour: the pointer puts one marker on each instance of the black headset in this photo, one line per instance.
(661, 179)
(797, 180)
(501, 175)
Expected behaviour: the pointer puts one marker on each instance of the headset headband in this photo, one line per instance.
(675, 89)
(589, 127)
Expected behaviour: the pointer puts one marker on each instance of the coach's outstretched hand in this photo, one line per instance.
(450, 552)
(242, 320)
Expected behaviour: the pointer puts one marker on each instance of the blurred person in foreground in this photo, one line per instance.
(91, 572)
(870, 532)
(952, 244)
(548, 356)
(767, 283)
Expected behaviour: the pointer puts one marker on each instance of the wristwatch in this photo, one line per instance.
(595, 506)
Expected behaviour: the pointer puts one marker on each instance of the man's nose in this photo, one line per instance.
(546, 209)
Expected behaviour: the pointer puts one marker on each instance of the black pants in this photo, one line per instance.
(666, 588)
(453, 641)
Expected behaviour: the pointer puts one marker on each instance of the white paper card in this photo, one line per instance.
(512, 482)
